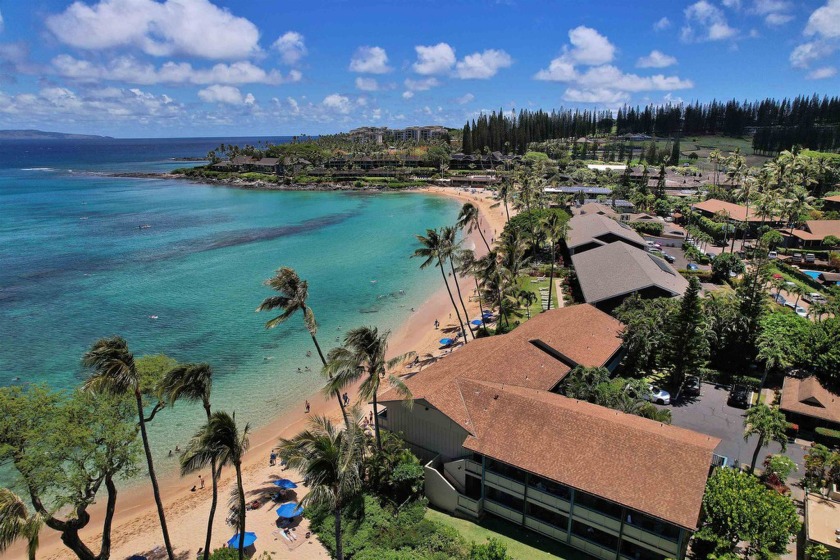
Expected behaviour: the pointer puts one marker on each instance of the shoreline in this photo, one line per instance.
(135, 525)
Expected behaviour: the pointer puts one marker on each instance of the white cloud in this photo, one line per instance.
(732, 4)
(608, 76)
(774, 12)
(421, 85)
(1, 21)
(589, 46)
(407, 94)
(705, 22)
(187, 27)
(559, 70)
(434, 59)
(338, 103)
(480, 66)
(825, 21)
(130, 70)
(222, 94)
(822, 73)
(367, 84)
(464, 99)
(656, 59)
(662, 24)
(803, 55)
(370, 60)
(605, 96)
(291, 47)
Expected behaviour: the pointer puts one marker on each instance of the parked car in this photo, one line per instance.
(739, 396)
(797, 257)
(657, 395)
(649, 243)
(801, 311)
(668, 257)
(809, 257)
(779, 298)
(772, 255)
(692, 266)
(657, 245)
(814, 297)
(691, 387)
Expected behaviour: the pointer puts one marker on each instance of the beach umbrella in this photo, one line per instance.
(250, 538)
(487, 314)
(477, 322)
(446, 341)
(285, 484)
(289, 510)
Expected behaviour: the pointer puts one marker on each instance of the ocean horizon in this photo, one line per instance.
(177, 268)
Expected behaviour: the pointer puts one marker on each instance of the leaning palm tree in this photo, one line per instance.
(219, 441)
(114, 373)
(448, 233)
(433, 249)
(193, 383)
(17, 523)
(330, 461)
(554, 229)
(293, 296)
(363, 355)
(468, 218)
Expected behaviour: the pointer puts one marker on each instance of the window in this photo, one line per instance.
(472, 488)
(547, 516)
(504, 498)
(636, 552)
(599, 505)
(505, 470)
(550, 487)
(652, 525)
(594, 535)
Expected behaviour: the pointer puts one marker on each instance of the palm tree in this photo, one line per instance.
(504, 192)
(832, 242)
(468, 218)
(293, 297)
(769, 424)
(467, 263)
(363, 354)
(221, 443)
(433, 249)
(17, 523)
(193, 382)
(114, 373)
(527, 297)
(554, 229)
(798, 290)
(451, 249)
(330, 461)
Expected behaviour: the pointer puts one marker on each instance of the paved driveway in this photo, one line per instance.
(709, 414)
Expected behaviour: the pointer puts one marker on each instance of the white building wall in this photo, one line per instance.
(424, 426)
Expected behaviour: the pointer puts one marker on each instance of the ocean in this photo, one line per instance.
(78, 263)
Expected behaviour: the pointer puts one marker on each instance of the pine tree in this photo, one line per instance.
(675, 152)
(688, 346)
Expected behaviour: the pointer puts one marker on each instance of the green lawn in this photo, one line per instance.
(538, 547)
(525, 283)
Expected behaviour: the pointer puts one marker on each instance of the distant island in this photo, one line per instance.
(42, 135)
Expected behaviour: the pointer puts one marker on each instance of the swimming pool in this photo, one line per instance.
(812, 273)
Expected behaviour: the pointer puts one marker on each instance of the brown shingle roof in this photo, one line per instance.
(823, 228)
(835, 198)
(642, 464)
(809, 398)
(597, 208)
(588, 228)
(735, 211)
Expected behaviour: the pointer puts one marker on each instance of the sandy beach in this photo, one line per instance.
(136, 528)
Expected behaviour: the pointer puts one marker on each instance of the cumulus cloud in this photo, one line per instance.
(407, 94)
(129, 70)
(223, 94)
(367, 84)
(156, 28)
(706, 22)
(661, 24)
(588, 47)
(774, 12)
(370, 60)
(822, 73)
(656, 59)
(1, 22)
(434, 59)
(824, 21)
(605, 96)
(803, 55)
(338, 103)
(483, 65)
(421, 85)
(464, 99)
(291, 47)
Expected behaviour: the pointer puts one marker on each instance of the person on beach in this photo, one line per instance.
(437, 324)
(307, 407)
(272, 459)
(200, 483)
(346, 399)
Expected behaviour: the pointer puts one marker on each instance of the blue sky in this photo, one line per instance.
(138, 68)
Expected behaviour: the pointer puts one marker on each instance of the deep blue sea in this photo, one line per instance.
(75, 265)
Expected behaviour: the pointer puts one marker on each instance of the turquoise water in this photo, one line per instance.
(812, 273)
(76, 267)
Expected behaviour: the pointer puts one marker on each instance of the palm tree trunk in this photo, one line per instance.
(339, 549)
(376, 422)
(481, 233)
(461, 298)
(238, 466)
(551, 275)
(214, 476)
(507, 212)
(755, 454)
(155, 489)
(452, 299)
(480, 305)
(336, 393)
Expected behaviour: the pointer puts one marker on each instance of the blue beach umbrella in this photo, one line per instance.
(250, 538)
(477, 322)
(285, 484)
(289, 511)
(487, 314)
(446, 341)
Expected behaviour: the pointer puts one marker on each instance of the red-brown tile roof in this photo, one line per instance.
(642, 464)
(809, 398)
(735, 211)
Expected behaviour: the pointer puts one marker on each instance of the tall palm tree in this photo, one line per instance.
(330, 461)
(363, 354)
(293, 296)
(193, 383)
(468, 218)
(219, 441)
(466, 262)
(554, 229)
(114, 373)
(17, 523)
(433, 249)
(448, 233)
(769, 424)
(504, 192)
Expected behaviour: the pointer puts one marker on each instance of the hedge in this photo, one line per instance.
(702, 275)
(828, 436)
(649, 228)
(799, 275)
(751, 382)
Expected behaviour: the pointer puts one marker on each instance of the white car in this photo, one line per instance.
(657, 395)
(801, 311)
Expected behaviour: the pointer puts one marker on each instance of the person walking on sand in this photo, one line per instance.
(200, 483)
(437, 324)
(307, 407)
(346, 399)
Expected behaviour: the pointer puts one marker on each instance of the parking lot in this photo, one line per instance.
(709, 414)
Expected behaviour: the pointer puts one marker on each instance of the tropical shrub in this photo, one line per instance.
(648, 228)
(828, 436)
